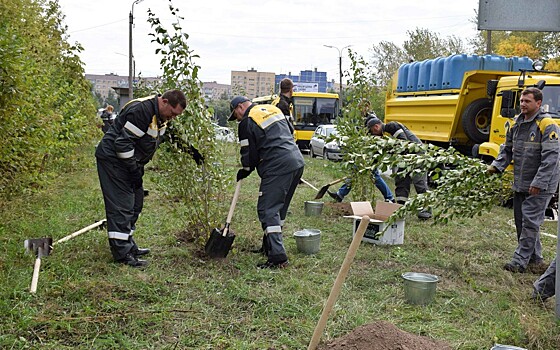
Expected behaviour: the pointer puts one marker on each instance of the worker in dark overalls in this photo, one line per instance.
(267, 145)
(121, 156)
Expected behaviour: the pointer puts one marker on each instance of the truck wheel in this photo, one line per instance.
(476, 120)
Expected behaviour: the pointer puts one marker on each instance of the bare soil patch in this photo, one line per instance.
(383, 335)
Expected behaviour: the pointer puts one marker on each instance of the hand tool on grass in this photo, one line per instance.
(220, 241)
(324, 189)
(40, 247)
(308, 184)
(338, 282)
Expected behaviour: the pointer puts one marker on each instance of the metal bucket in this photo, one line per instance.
(313, 208)
(308, 241)
(506, 347)
(419, 288)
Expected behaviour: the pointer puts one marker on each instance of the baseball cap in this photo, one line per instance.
(234, 103)
(371, 121)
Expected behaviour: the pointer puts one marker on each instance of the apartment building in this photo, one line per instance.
(252, 83)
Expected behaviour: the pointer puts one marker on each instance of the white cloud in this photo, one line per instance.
(274, 36)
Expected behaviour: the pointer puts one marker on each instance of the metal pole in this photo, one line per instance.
(130, 64)
(340, 70)
(130, 21)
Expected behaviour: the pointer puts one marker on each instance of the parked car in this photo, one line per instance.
(224, 134)
(320, 146)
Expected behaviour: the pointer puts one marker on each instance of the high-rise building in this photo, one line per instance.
(252, 83)
(307, 79)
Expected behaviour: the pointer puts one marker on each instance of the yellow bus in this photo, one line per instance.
(311, 109)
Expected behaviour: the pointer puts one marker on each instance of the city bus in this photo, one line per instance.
(311, 109)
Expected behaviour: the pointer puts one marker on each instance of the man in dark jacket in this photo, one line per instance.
(267, 145)
(285, 102)
(533, 147)
(402, 183)
(127, 146)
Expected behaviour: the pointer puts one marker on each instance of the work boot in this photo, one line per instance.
(141, 251)
(514, 267)
(132, 260)
(539, 297)
(424, 214)
(335, 196)
(273, 265)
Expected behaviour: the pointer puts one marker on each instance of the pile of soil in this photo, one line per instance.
(383, 335)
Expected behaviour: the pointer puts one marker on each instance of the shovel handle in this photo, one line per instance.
(232, 208)
(35, 277)
(79, 232)
(338, 283)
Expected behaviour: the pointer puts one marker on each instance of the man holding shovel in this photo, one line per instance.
(127, 146)
(267, 144)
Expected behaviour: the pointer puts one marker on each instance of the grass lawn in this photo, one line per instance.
(184, 301)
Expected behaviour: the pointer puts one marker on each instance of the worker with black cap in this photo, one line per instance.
(402, 183)
(267, 145)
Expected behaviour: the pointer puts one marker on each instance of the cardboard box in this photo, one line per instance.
(394, 233)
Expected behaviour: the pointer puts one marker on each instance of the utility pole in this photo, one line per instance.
(130, 68)
(339, 63)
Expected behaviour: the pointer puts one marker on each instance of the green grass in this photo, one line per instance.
(184, 301)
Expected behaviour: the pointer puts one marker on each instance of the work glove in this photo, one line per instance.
(136, 177)
(492, 170)
(242, 173)
(198, 158)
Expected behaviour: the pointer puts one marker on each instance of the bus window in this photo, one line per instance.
(303, 110)
(326, 110)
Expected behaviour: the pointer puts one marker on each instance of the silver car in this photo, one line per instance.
(320, 146)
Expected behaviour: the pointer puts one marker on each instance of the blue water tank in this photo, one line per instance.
(436, 74)
(518, 63)
(424, 75)
(455, 67)
(412, 79)
(495, 62)
(402, 77)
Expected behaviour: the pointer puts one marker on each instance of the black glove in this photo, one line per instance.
(242, 173)
(198, 158)
(136, 177)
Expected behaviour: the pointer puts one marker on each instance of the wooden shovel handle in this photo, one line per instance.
(232, 208)
(79, 232)
(36, 268)
(338, 283)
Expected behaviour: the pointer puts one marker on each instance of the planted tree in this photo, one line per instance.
(202, 187)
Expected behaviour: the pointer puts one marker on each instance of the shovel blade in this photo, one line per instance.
(217, 245)
(322, 192)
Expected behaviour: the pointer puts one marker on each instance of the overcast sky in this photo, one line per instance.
(270, 36)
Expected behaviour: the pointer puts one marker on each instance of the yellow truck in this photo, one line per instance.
(466, 101)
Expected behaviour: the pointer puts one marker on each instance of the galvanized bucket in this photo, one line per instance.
(313, 208)
(419, 288)
(308, 241)
(506, 347)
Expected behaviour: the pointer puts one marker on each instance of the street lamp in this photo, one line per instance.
(339, 62)
(130, 68)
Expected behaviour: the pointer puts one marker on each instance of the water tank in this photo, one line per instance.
(518, 63)
(424, 75)
(412, 79)
(402, 77)
(495, 62)
(455, 67)
(436, 74)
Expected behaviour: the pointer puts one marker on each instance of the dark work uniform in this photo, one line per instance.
(267, 144)
(107, 121)
(127, 146)
(533, 146)
(402, 183)
(286, 105)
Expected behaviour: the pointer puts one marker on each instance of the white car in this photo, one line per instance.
(224, 134)
(319, 146)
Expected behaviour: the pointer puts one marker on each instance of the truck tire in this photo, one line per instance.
(476, 120)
